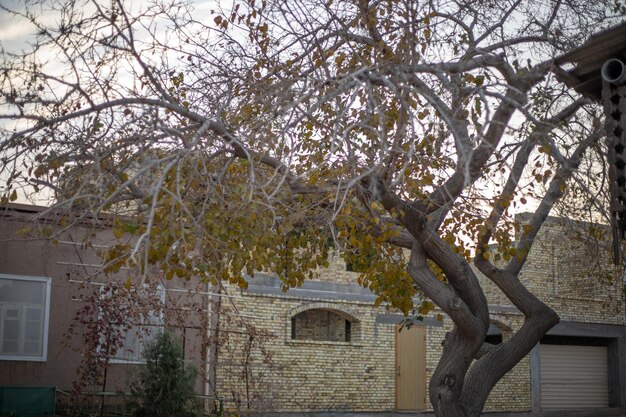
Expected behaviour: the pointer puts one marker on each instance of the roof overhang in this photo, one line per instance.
(588, 60)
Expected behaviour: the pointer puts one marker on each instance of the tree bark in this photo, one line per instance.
(467, 372)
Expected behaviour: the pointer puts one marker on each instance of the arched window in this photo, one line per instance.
(324, 324)
(494, 336)
(495, 332)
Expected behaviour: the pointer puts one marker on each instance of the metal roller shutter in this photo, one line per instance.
(573, 377)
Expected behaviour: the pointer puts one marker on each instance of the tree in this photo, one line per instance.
(165, 387)
(262, 135)
(110, 313)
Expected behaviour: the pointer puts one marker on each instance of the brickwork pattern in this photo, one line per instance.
(334, 375)
(337, 272)
(512, 393)
(567, 271)
(308, 375)
(320, 325)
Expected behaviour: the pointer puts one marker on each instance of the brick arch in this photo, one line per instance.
(501, 325)
(346, 312)
(499, 331)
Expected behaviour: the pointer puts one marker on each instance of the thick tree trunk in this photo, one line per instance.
(448, 380)
(459, 388)
(468, 371)
(490, 368)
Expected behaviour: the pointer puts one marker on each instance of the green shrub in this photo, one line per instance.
(165, 387)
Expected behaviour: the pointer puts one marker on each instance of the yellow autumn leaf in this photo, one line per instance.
(118, 232)
(339, 59)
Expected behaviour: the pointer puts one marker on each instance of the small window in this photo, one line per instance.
(24, 315)
(494, 339)
(321, 325)
(495, 334)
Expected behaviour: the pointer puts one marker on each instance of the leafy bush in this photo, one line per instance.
(165, 387)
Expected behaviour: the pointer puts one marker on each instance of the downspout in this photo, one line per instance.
(614, 71)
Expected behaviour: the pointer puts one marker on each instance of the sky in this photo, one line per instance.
(15, 33)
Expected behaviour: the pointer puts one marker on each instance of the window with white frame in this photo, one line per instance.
(24, 315)
(142, 310)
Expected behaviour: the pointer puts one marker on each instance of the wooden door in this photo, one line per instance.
(411, 368)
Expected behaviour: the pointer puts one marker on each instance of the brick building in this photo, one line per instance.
(324, 347)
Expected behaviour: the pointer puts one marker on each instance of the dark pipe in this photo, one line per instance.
(614, 71)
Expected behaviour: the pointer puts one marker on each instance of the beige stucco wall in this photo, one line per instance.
(71, 266)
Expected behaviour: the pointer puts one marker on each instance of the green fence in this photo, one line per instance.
(42, 402)
(27, 401)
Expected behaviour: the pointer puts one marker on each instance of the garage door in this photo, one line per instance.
(573, 376)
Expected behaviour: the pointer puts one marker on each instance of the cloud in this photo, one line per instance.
(15, 30)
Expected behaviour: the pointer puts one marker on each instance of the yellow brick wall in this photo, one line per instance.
(319, 325)
(305, 375)
(336, 272)
(569, 273)
(315, 375)
(512, 393)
